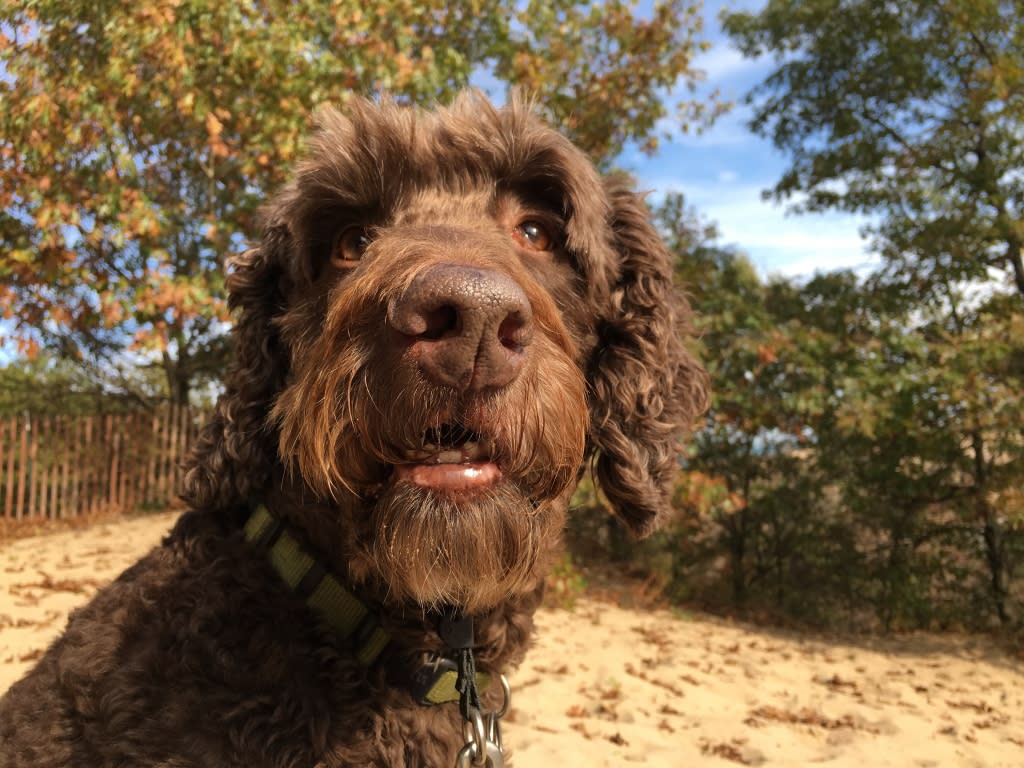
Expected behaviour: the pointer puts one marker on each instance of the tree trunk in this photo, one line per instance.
(178, 384)
(895, 579)
(620, 544)
(992, 532)
(1014, 256)
(737, 542)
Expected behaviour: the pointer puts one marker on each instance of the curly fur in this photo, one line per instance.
(197, 655)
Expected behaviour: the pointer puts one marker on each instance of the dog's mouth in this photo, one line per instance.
(452, 459)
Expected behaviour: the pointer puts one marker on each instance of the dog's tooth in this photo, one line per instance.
(430, 453)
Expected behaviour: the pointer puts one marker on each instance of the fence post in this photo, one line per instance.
(152, 450)
(73, 460)
(123, 427)
(166, 449)
(33, 464)
(22, 465)
(59, 466)
(6, 452)
(113, 447)
(53, 466)
(89, 457)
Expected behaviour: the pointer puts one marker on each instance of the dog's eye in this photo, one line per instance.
(534, 236)
(349, 246)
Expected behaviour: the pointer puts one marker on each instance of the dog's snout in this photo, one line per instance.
(467, 327)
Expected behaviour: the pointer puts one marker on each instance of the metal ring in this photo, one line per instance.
(479, 737)
(468, 754)
(506, 691)
(473, 729)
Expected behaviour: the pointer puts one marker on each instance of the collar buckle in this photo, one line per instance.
(435, 681)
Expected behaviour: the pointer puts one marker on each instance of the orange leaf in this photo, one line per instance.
(214, 127)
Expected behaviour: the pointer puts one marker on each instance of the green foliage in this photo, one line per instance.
(53, 386)
(138, 139)
(913, 111)
(565, 584)
(602, 68)
(878, 426)
(862, 461)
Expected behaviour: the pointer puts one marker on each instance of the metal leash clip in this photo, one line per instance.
(483, 747)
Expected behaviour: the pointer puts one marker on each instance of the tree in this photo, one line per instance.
(927, 441)
(52, 386)
(137, 140)
(860, 452)
(913, 111)
(766, 389)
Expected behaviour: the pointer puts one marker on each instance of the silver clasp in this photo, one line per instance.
(483, 747)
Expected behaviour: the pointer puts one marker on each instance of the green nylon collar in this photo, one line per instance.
(342, 610)
(321, 591)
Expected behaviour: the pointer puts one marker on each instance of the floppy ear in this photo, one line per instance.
(647, 389)
(235, 451)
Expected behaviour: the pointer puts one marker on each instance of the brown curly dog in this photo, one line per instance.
(448, 316)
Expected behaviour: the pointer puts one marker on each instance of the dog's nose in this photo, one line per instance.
(467, 327)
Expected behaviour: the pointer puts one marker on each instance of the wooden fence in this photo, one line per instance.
(64, 466)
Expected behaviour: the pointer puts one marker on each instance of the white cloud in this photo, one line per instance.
(862, 264)
(723, 171)
(723, 62)
(776, 242)
(729, 130)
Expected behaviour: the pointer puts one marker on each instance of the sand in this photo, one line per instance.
(606, 686)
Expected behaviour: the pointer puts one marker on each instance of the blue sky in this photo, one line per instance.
(723, 172)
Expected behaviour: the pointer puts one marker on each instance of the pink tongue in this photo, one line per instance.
(449, 477)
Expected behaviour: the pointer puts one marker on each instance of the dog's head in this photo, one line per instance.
(447, 314)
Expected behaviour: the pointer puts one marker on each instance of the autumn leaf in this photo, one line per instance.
(766, 354)
(175, 114)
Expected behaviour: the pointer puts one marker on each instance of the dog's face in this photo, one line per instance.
(451, 310)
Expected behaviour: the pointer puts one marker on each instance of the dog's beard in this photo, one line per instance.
(471, 552)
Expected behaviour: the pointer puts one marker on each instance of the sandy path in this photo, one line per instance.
(610, 687)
